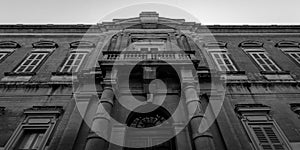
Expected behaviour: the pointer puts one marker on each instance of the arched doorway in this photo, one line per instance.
(150, 131)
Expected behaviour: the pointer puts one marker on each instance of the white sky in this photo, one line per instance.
(204, 11)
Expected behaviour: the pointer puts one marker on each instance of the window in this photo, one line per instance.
(31, 139)
(6, 48)
(79, 51)
(263, 131)
(149, 46)
(41, 50)
(295, 107)
(295, 56)
(293, 53)
(73, 62)
(223, 61)
(220, 56)
(264, 61)
(256, 51)
(31, 62)
(2, 55)
(36, 128)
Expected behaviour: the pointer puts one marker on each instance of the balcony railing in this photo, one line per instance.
(138, 57)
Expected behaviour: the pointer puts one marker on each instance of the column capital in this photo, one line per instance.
(199, 135)
(107, 96)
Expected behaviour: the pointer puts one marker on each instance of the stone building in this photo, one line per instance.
(149, 83)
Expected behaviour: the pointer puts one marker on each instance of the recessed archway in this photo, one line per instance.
(151, 130)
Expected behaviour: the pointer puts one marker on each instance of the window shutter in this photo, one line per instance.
(267, 137)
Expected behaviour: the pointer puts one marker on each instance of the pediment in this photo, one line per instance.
(251, 43)
(284, 44)
(44, 44)
(146, 20)
(82, 44)
(9, 44)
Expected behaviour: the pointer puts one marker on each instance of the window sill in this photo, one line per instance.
(236, 72)
(231, 77)
(19, 73)
(63, 73)
(275, 72)
(63, 78)
(16, 78)
(282, 75)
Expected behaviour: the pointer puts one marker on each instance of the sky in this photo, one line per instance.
(207, 12)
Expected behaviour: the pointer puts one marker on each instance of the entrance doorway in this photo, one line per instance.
(150, 131)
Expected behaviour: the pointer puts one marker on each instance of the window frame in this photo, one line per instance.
(160, 46)
(7, 52)
(258, 115)
(220, 51)
(65, 63)
(27, 58)
(276, 129)
(36, 118)
(86, 51)
(287, 51)
(46, 51)
(259, 50)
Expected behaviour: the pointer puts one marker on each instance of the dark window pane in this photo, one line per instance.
(40, 56)
(35, 62)
(80, 56)
(29, 69)
(32, 56)
(27, 62)
(69, 62)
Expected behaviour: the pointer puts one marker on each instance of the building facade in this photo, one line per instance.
(149, 82)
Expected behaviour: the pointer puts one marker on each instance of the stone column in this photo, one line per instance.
(100, 130)
(201, 137)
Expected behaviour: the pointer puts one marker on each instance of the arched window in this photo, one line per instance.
(159, 116)
(147, 120)
(158, 131)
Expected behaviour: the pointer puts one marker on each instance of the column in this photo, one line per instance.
(100, 130)
(118, 43)
(201, 137)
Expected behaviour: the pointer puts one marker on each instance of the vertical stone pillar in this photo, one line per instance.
(201, 137)
(100, 130)
(118, 43)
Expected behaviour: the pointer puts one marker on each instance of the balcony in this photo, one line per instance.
(134, 57)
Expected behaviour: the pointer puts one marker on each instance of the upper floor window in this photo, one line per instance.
(221, 56)
(263, 131)
(31, 62)
(73, 62)
(295, 107)
(79, 51)
(36, 128)
(290, 48)
(6, 48)
(148, 46)
(260, 56)
(41, 50)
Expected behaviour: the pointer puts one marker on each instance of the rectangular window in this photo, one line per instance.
(295, 56)
(35, 130)
(73, 62)
(2, 55)
(264, 61)
(223, 61)
(263, 131)
(31, 62)
(265, 135)
(31, 139)
(4, 52)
